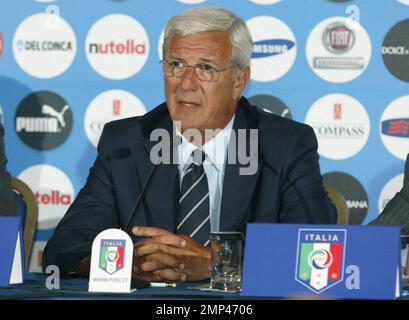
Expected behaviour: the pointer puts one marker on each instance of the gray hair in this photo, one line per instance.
(203, 19)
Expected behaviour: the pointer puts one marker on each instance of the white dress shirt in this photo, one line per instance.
(214, 165)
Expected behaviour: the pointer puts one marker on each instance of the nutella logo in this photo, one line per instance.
(129, 47)
(53, 198)
(115, 41)
(53, 190)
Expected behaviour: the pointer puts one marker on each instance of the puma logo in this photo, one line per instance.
(48, 110)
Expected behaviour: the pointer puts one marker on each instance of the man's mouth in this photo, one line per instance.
(188, 104)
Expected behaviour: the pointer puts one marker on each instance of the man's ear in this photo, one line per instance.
(241, 82)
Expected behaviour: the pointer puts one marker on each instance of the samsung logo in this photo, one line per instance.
(267, 48)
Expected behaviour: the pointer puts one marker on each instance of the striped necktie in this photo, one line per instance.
(194, 208)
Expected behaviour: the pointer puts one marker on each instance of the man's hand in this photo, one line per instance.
(165, 256)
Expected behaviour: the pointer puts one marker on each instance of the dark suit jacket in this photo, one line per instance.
(396, 212)
(287, 187)
(7, 206)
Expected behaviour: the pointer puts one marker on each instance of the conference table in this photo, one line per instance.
(77, 288)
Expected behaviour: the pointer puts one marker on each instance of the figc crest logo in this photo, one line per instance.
(111, 257)
(320, 258)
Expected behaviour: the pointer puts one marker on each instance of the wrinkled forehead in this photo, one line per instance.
(209, 43)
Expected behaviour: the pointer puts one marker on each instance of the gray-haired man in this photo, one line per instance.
(206, 66)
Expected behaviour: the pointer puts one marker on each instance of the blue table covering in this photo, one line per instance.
(35, 288)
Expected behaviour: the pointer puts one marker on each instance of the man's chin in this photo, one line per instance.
(187, 124)
(191, 127)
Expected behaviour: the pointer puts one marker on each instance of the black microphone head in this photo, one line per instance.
(119, 154)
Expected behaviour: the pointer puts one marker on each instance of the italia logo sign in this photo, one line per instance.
(111, 257)
(320, 258)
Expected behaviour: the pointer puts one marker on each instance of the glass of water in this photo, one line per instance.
(227, 260)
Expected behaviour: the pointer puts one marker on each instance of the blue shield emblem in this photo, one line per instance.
(320, 258)
(111, 258)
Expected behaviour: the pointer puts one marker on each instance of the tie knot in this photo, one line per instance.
(198, 157)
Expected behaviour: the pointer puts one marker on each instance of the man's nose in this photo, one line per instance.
(189, 80)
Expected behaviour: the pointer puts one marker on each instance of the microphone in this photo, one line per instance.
(137, 281)
(123, 153)
(140, 199)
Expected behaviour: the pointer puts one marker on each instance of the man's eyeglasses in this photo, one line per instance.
(204, 71)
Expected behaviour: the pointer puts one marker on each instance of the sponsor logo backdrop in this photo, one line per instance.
(69, 66)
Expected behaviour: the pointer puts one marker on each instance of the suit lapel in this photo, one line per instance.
(161, 198)
(238, 188)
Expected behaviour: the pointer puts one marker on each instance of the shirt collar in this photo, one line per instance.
(215, 149)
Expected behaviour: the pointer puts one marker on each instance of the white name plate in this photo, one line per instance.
(111, 262)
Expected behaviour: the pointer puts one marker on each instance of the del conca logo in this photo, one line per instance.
(52, 49)
(44, 45)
